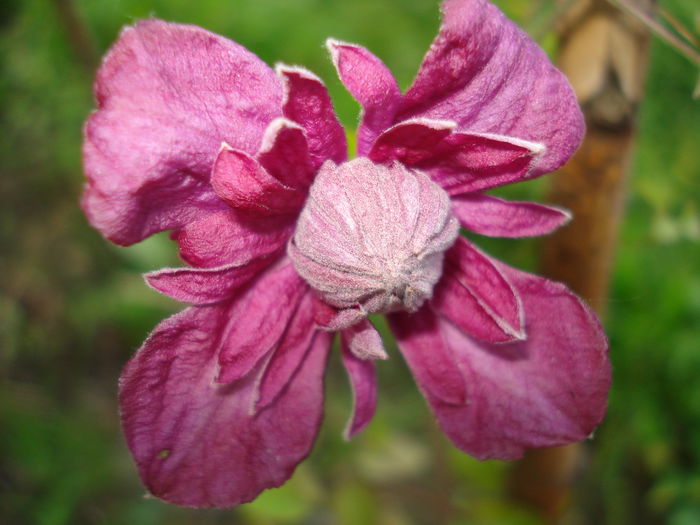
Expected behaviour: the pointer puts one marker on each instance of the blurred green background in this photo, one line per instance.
(73, 307)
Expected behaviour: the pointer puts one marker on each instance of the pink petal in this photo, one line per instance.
(285, 155)
(363, 341)
(548, 390)
(477, 297)
(486, 74)
(495, 217)
(372, 85)
(195, 442)
(430, 360)
(168, 95)
(308, 104)
(299, 339)
(258, 319)
(208, 285)
(411, 141)
(246, 186)
(229, 238)
(459, 162)
(363, 380)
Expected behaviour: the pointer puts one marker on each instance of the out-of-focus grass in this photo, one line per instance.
(73, 307)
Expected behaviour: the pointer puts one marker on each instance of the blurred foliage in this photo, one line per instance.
(73, 308)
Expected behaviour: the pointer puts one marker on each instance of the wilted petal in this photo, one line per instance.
(372, 85)
(548, 390)
(195, 442)
(363, 380)
(301, 336)
(206, 285)
(285, 155)
(308, 104)
(459, 162)
(229, 238)
(168, 95)
(428, 356)
(500, 218)
(486, 74)
(475, 295)
(258, 319)
(246, 186)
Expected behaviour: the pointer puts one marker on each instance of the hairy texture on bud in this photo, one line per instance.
(373, 237)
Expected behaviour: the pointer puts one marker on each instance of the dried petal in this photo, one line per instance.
(500, 218)
(486, 74)
(194, 441)
(372, 84)
(548, 390)
(168, 95)
(363, 380)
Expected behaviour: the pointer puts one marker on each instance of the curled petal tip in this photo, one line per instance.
(283, 70)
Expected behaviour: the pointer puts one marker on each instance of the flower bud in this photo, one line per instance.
(372, 237)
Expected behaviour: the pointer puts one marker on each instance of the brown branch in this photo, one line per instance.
(592, 185)
(685, 49)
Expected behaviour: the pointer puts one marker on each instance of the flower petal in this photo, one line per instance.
(245, 185)
(430, 360)
(168, 95)
(372, 85)
(258, 319)
(301, 336)
(308, 104)
(495, 217)
(285, 155)
(363, 341)
(229, 238)
(411, 141)
(363, 380)
(486, 74)
(548, 390)
(459, 162)
(475, 295)
(195, 442)
(206, 285)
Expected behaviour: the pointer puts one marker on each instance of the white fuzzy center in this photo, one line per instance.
(372, 237)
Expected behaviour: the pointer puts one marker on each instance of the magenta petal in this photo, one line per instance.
(228, 238)
(459, 162)
(411, 142)
(429, 358)
(245, 185)
(168, 95)
(486, 74)
(372, 85)
(300, 338)
(500, 218)
(475, 295)
(195, 442)
(363, 380)
(285, 155)
(258, 319)
(308, 104)
(548, 390)
(205, 285)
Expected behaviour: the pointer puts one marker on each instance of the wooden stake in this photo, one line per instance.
(604, 52)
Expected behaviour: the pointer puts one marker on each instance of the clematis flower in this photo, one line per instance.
(289, 242)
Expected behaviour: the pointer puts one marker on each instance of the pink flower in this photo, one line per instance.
(288, 242)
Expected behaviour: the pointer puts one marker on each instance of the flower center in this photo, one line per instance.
(372, 237)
